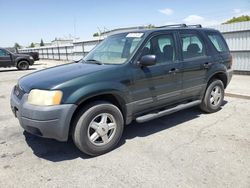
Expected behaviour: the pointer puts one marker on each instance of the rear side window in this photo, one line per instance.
(218, 42)
(192, 46)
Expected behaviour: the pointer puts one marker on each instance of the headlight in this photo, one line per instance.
(31, 57)
(44, 97)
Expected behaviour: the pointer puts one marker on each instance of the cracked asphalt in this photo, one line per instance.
(185, 149)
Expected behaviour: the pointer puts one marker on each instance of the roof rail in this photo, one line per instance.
(173, 25)
(180, 25)
(196, 25)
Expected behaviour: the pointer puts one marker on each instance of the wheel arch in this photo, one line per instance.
(220, 76)
(21, 59)
(114, 99)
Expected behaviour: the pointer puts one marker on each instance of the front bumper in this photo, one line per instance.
(44, 121)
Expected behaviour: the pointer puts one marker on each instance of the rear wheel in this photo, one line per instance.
(98, 128)
(23, 65)
(213, 97)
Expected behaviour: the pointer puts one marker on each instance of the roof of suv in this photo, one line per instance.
(162, 28)
(174, 28)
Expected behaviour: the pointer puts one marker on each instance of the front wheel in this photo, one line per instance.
(213, 97)
(23, 65)
(98, 128)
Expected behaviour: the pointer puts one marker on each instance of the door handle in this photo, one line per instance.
(173, 71)
(207, 65)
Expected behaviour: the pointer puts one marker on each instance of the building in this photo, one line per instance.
(125, 29)
(37, 45)
(61, 41)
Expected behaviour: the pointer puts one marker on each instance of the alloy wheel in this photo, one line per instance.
(102, 129)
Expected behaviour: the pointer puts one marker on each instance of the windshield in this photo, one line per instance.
(116, 49)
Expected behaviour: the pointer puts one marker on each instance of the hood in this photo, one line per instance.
(51, 77)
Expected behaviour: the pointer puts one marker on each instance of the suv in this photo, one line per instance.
(138, 75)
(9, 59)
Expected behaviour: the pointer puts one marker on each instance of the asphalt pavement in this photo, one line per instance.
(185, 149)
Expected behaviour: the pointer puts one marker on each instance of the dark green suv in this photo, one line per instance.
(137, 75)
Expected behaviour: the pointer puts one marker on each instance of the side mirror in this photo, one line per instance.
(147, 60)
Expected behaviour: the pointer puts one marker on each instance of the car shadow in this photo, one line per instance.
(55, 151)
(12, 70)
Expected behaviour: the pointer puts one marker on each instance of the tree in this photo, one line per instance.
(96, 34)
(32, 45)
(150, 26)
(17, 46)
(242, 18)
(41, 43)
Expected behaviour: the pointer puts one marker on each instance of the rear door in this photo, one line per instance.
(196, 63)
(5, 58)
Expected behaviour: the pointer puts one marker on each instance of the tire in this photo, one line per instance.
(213, 97)
(98, 128)
(23, 65)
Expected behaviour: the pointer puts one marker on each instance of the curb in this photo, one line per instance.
(239, 96)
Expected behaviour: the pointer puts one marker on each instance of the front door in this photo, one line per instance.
(163, 80)
(5, 58)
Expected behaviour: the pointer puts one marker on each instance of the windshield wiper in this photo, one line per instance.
(94, 61)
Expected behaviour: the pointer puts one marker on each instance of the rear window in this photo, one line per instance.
(218, 42)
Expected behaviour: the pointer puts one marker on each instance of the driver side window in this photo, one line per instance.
(163, 47)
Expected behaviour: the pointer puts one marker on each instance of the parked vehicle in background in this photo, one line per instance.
(10, 59)
(137, 75)
(35, 55)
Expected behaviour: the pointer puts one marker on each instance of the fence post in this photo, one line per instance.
(47, 53)
(52, 53)
(58, 52)
(66, 53)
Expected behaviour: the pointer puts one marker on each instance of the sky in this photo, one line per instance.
(26, 21)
